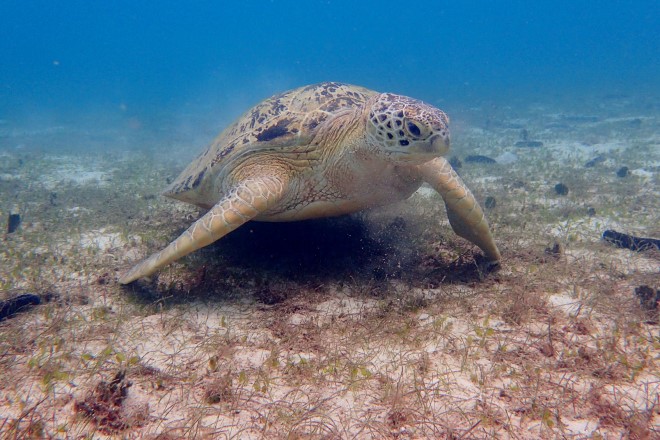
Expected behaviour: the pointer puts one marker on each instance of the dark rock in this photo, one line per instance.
(524, 135)
(529, 144)
(103, 279)
(477, 158)
(591, 211)
(13, 222)
(649, 300)
(595, 161)
(556, 250)
(631, 242)
(561, 189)
(20, 303)
(490, 202)
(648, 297)
(623, 172)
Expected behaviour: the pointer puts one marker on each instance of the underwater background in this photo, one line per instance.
(380, 324)
(198, 65)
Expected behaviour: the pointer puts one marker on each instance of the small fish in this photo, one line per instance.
(529, 144)
(477, 158)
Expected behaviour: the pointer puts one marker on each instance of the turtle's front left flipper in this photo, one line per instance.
(465, 215)
(244, 202)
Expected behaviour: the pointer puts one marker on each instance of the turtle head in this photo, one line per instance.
(406, 129)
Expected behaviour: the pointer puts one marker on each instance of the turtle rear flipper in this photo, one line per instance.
(244, 202)
(465, 215)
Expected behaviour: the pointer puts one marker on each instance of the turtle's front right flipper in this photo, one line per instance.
(244, 202)
(465, 215)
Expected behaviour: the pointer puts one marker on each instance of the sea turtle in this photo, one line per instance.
(318, 151)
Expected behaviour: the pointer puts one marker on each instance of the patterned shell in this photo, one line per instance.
(283, 121)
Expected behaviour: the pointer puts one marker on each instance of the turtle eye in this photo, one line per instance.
(413, 129)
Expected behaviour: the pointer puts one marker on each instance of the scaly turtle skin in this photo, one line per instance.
(319, 151)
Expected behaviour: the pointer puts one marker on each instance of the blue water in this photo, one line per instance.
(70, 59)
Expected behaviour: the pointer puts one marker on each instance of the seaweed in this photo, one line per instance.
(104, 405)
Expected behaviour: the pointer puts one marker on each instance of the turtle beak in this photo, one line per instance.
(437, 145)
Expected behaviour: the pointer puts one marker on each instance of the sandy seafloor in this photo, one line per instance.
(376, 325)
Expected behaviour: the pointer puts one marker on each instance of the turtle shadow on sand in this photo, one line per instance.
(269, 260)
(323, 249)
